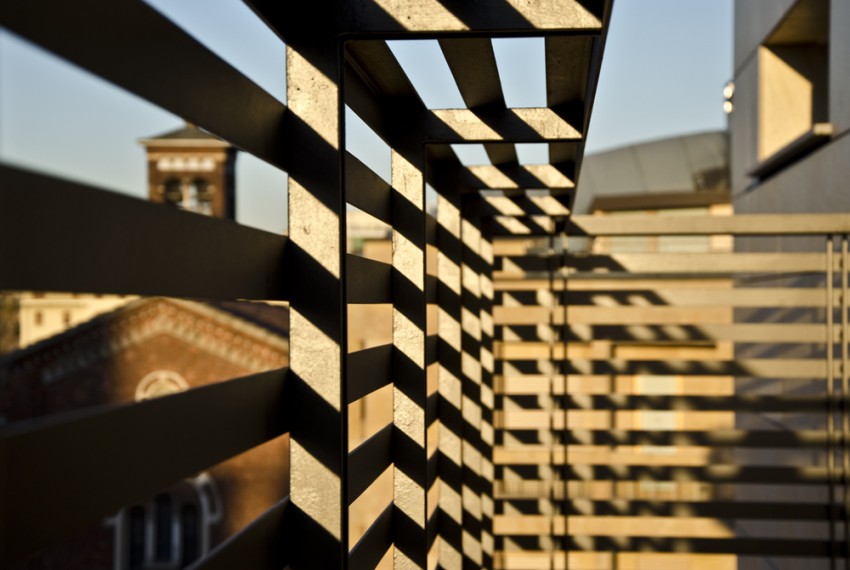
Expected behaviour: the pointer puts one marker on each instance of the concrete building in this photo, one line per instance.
(791, 107)
(693, 166)
(790, 112)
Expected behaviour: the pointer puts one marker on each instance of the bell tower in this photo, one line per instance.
(192, 170)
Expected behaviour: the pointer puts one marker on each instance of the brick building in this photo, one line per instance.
(190, 169)
(146, 349)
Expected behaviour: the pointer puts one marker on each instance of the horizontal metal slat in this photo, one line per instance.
(57, 235)
(368, 460)
(533, 125)
(430, 229)
(739, 224)
(613, 525)
(601, 490)
(262, 545)
(738, 403)
(133, 46)
(774, 333)
(647, 534)
(612, 315)
(62, 472)
(610, 386)
(433, 17)
(656, 457)
(740, 332)
(374, 545)
(381, 95)
(366, 190)
(588, 558)
(569, 60)
(368, 370)
(650, 421)
(686, 404)
(716, 438)
(515, 176)
(501, 153)
(604, 350)
(522, 226)
(700, 263)
(585, 294)
(651, 546)
(522, 206)
(369, 281)
(472, 63)
(736, 510)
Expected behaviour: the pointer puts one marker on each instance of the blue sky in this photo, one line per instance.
(665, 65)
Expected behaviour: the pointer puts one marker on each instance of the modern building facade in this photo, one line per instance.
(791, 107)
(789, 155)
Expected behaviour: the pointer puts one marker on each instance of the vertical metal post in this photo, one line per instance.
(471, 381)
(830, 399)
(553, 458)
(845, 397)
(318, 444)
(564, 399)
(449, 276)
(558, 495)
(432, 371)
(410, 384)
(487, 400)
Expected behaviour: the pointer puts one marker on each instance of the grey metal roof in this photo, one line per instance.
(695, 162)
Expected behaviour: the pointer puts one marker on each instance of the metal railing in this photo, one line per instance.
(439, 444)
(561, 410)
(679, 409)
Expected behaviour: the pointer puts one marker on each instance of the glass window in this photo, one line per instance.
(163, 527)
(200, 196)
(173, 193)
(189, 526)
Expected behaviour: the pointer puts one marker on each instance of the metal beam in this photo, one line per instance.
(739, 224)
(57, 235)
(369, 370)
(536, 176)
(369, 281)
(472, 62)
(368, 461)
(410, 388)
(501, 153)
(256, 546)
(377, 540)
(518, 125)
(701, 264)
(366, 190)
(439, 17)
(318, 334)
